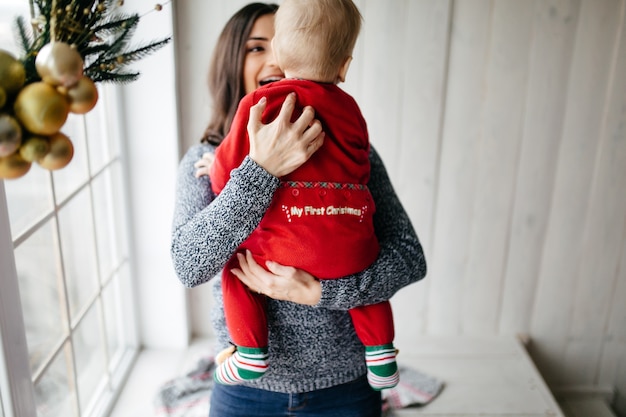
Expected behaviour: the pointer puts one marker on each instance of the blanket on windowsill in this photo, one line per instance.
(188, 395)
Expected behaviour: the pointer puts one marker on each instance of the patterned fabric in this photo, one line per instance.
(244, 364)
(382, 367)
(323, 185)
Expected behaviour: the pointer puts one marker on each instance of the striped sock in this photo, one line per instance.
(245, 364)
(382, 368)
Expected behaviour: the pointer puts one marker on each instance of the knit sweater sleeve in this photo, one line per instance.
(206, 230)
(401, 259)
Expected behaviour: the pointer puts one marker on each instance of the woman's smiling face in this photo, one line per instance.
(259, 67)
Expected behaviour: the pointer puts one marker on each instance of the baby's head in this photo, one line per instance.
(314, 39)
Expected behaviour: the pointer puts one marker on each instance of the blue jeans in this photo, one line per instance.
(354, 399)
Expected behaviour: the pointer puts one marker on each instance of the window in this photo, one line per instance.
(66, 275)
(72, 269)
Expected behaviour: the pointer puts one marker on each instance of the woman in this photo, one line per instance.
(317, 360)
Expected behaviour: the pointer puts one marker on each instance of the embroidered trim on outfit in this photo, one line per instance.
(323, 184)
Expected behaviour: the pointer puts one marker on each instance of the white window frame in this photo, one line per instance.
(148, 113)
(18, 398)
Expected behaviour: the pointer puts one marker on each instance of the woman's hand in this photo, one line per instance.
(280, 282)
(281, 146)
(203, 165)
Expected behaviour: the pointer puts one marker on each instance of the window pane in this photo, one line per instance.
(29, 199)
(79, 254)
(90, 356)
(53, 392)
(69, 178)
(41, 294)
(98, 149)
(118, 197)
(113, 319)
(110, 106)
(120, 330)
(110, 220)
(102, 135)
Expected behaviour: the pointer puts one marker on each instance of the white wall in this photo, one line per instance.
(503, 126)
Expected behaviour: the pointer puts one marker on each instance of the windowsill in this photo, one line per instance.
(152, 369)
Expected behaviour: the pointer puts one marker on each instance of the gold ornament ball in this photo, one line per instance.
(10, 135)
(60, 154)
(41, 108)
(12, 73)
(57, 63)
(34, 148)
(82, 97)
(13, 166)
(3, 97)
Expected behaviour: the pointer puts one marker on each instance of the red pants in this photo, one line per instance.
(247, 321)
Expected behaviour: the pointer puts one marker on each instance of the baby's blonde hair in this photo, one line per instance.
(314, 38)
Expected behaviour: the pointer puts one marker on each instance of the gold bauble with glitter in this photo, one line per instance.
(57, 63)
(34, 148)
(10, 135)
(12, 73)
(13, 166)
(60, 154)
(41, 109)
(82, 97)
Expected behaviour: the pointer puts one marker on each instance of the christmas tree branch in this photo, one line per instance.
(26, 40)
(100, 34)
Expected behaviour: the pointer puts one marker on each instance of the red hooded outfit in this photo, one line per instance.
(321, 218)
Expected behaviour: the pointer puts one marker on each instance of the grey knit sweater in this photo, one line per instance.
(310, 347)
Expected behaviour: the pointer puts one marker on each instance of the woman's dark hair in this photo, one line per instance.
(226, 84)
